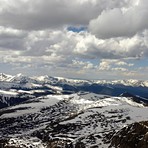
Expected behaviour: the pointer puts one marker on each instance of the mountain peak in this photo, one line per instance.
(5, 77)
(19, 75)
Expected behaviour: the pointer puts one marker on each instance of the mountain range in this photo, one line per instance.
(55, 112)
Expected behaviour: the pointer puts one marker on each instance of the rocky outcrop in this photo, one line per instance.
(133, 136)
(59, 143)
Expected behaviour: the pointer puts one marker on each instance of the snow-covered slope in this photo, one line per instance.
(32, 87)
(45, 111)
(69, 120)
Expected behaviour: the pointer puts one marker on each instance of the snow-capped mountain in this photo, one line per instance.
(32, 87)
(5, 77)
(20, 78)
(51, 112)
(68, 86)
(131, 82)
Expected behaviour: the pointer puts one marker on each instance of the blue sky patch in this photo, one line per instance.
(76, 29)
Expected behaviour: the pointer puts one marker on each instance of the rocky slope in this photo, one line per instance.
(77, 120)
(53, 112)
(134, 135)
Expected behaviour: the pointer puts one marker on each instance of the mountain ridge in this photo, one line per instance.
(31, 87)
(12, 78)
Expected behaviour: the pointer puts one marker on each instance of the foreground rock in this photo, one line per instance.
(133, 136)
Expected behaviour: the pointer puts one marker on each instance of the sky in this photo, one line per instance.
(86, 39)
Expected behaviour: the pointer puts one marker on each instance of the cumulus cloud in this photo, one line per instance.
(122, 63)
(114, 65)
(12, 39)
(113, 48)
(62, 48)
(118, 22)
(104, 65)
(82, 64)
(43, 14)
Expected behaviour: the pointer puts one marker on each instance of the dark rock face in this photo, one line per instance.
(135, 98)
(13, 100)
(132, 136)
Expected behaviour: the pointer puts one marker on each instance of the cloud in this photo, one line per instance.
(114, 65)
(44, 14)
(70, 38)
(104, 65)
(62, 46)
(82, 65)
(11, 39)
(119, 22)
(122, 63)
(114, 48)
